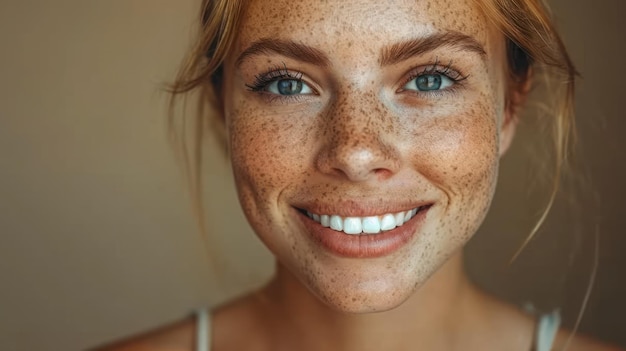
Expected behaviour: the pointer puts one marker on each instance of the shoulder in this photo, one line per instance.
(248, 316)
(581, 343)
(178, 336)
(229, 322)
(514, 319)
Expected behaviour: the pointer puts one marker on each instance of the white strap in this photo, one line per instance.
(547, 327)
(203, 330)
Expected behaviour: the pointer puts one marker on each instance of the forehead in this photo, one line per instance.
(365, 23)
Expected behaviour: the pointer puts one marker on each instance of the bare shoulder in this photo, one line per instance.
(581, 343)
(514, 319)
(245, 316)
(229, 322)
(178, 336)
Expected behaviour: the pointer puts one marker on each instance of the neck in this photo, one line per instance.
(435, 317)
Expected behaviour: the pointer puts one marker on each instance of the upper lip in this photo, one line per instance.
(360, 208)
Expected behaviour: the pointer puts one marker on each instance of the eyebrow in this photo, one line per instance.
(390, 55)
(287, 48)
(418, 46)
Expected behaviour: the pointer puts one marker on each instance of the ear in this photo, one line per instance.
(517, 94)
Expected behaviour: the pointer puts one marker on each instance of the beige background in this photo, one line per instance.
(97, 240)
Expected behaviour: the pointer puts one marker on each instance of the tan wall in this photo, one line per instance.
(96, 237)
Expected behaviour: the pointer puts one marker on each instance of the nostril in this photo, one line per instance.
(383, 173)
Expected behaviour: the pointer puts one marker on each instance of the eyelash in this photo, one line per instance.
(262, 80)
(435, 68)
(275, 73)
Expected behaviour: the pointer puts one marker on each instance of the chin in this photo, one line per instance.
(374, 286)
(360, 293)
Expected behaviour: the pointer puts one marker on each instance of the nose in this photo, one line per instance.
(359, 142)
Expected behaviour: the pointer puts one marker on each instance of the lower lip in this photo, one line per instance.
(364, 245)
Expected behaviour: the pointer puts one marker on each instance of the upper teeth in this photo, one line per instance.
(364, 225)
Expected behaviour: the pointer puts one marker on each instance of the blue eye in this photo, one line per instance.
(288, 87)
(429, 82)
(281, 82)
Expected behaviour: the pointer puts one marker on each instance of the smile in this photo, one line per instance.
(365, 225)
(366, 236)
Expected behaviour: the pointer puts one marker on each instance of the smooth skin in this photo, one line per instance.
(366, 107)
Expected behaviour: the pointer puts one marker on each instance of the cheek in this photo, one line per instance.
(460, 152)
(267, 151)
(260, 167)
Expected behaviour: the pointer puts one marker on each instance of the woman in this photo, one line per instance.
(365, 139)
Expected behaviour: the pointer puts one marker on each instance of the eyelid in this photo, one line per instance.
(277, 73)
(434, 68)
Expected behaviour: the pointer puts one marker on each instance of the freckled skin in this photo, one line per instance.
(357, 137)
(361, 136)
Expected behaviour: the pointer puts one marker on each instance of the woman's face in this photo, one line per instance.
(384, 121)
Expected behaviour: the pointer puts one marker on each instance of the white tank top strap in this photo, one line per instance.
(203, 330)
(547, 328)
(545, 334)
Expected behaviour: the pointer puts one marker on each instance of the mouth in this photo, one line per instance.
(367, 236)
(369, 225)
